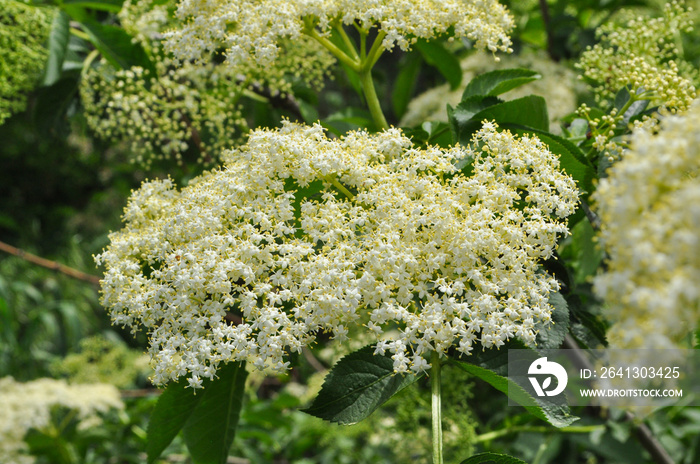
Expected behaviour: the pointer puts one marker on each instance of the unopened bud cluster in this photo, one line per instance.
(24, 30)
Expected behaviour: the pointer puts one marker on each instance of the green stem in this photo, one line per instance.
(334, 181)
(375, 108)
(362, 65)
(80, 34)
(375, 52)
(436, 407)
(348, 42)
(488, 436)
(331, 47)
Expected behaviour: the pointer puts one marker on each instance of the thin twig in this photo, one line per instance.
(140, 392)
(196, 138)
(593, 218)
(544, 8)
(644, 434)
(311, 359)
(48, 264)
(277, 100)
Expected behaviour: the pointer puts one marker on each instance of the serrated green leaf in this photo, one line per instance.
(461, 117)
(588, 325)
(174, 407)
(492, 458)
(556, 414)
(57, 46)
(552, 335)
(356, 386)
(468, 116)
(405, 83)
(491, 365)
(211, 427)
(436, 55)
(499, 81)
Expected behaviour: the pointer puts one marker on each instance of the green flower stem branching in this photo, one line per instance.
(436, 407)
(372, 100)
(361, 63)
(488, 436)
(348, 42)
(353, 64)
(375, 52)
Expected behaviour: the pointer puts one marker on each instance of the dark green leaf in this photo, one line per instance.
(104, 5)
(636, 108)
(357, 385)
(174, 407)
(52, 102)
(57, 46)
(530, 111)
(438, 133)
(405, 83)
(461, 117)
(556, 413)
(498, 82)
(491, 365)
(347, 120)
(436, 55)
(588, 325)
(468, 116)
(492, 458)
(113, 42)
(552, 335)
(210, 430)
(621, 98)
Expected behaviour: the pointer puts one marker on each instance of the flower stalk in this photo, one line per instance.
(436, 407)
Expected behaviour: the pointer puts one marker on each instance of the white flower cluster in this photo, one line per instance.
(558, 86)
(303, 59)
(396, 237)
(252, 29)
(24, 406)
(650, 211)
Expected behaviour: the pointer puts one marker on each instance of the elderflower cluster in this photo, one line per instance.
(164, 115)
(650, 211)
(251, 30)
(558, 86)
(24, 30)
(25, 406)
(642, 54)
(248, 263)
(300, 60)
